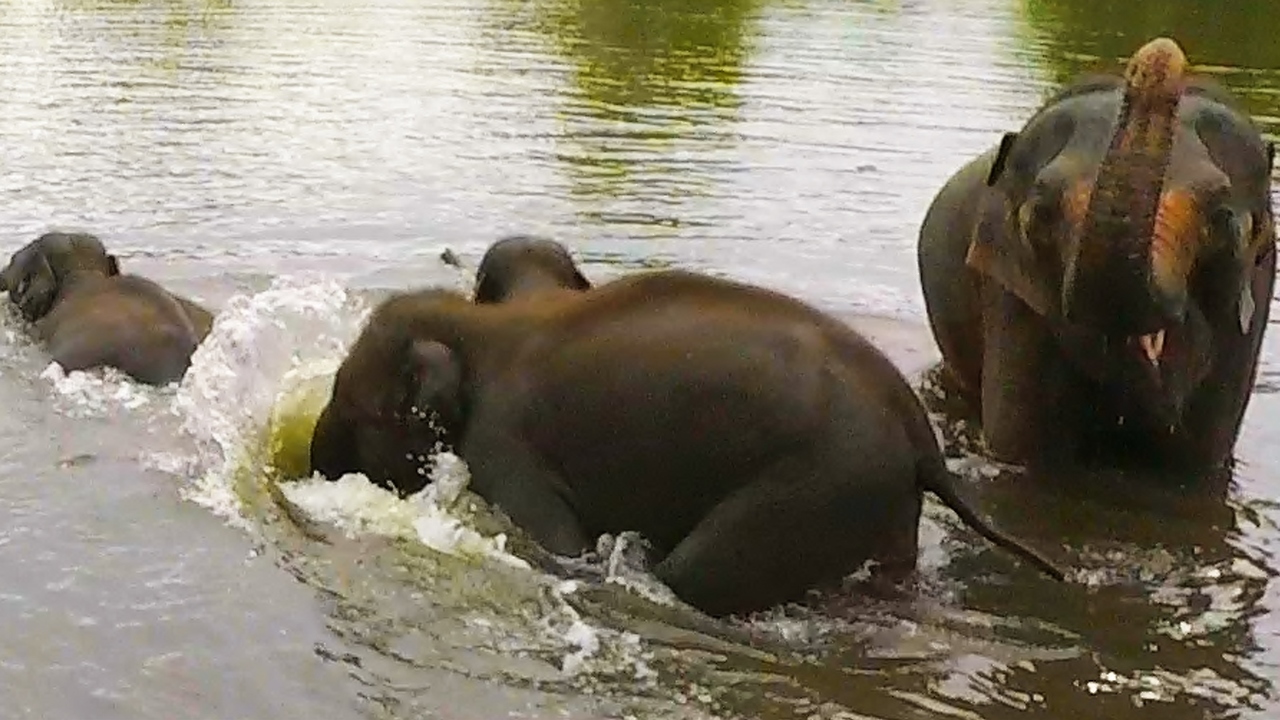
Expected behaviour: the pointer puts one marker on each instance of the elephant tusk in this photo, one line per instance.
(1152, 346)
(1246, 308)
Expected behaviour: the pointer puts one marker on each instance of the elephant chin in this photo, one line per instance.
(1154, 375)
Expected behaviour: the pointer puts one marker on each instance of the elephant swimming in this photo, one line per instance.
(1099, 283)
(520, 265)
(87, 314)
(762, 447)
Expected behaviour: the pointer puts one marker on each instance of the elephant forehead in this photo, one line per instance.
(1210, 139)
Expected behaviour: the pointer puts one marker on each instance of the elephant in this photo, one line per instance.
(88, 314)
(1099, 282)
(760, 446)
(519, 265)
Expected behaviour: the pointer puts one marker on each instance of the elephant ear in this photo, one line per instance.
(435, 389)
(34, 286)
(998, 249)
(1255, 262)
(1001, 159)
(485, 289)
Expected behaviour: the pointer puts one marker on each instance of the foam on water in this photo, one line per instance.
(273, 354)
(358, 506)
(100, 392)
(239, 372)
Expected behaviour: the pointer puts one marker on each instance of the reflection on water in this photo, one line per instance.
(791, 142)
(1169, 601)
(653, 89)
(1231, 40)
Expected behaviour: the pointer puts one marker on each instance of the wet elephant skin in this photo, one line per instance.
(1099, 283)
(522, 265)
(88, 314)
(762, 447)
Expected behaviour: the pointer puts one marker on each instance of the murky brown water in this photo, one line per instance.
(344, 143)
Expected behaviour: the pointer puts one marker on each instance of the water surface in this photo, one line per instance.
(288, 162)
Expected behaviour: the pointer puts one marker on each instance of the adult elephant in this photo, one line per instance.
(1100, 282)
(761, 446)
(88, 314)
(521, 265)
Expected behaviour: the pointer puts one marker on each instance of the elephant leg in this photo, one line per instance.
(1022, 418)
(507, 473)
(799, 526)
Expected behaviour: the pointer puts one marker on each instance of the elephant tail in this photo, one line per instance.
(935, 477)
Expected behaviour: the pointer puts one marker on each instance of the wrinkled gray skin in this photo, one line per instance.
(88, 315)
(1124, 208)
(521, 265)
(762, 447)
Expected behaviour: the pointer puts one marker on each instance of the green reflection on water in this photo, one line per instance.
(1233, 39)
(654, 86)
(630, 54)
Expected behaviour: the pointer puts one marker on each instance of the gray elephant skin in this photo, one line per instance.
(523, 265)
(761, 447)
(88, 314)
(1099, 283)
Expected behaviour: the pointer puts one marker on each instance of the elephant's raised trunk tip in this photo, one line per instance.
(1111, 281)
(1156, 69)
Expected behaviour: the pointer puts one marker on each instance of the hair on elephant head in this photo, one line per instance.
(43, 270)
(520, 265)
(1133, 214)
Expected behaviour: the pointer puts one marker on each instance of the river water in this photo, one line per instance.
(287, 161)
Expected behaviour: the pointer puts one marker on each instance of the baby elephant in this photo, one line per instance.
(761, 446)
(89, 315)
(521, 265)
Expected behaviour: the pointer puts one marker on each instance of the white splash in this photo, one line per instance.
(357, 506)
(270, 353)
(98, 392)
(625, 565)
(239, 372)
(594, 650)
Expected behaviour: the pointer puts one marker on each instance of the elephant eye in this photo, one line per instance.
(1036, 218)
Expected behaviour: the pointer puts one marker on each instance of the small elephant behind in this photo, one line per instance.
(522, 265)
(88, 315)
(762, 447)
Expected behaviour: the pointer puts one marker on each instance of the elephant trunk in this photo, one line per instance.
(1126, 275)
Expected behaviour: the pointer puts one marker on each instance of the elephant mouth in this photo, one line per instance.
(1151, 346)
(1151, 375)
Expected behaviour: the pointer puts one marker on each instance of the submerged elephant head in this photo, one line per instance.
(521, 264)
(1133, 213)
(399, 396)
(38, 274)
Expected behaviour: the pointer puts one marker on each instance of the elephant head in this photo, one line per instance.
(523, 264)
(41, 272)
(1132, 213)
(397, 399)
